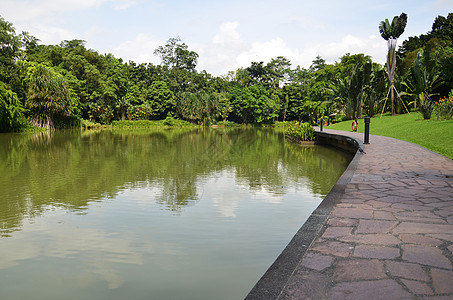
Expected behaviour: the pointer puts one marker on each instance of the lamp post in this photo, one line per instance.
(366, 139)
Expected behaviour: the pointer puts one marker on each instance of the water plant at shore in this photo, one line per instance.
(300, 132)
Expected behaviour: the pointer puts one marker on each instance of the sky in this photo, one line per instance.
(226, 35)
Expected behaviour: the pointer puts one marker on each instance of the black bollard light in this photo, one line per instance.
(322, 121)
(366, 139)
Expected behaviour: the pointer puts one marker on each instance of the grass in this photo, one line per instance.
(434, 135)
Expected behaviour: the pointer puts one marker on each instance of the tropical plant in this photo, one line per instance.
(202, 108)
(301, 132)
(391, 32)
(421, 82)
(48, 98)
(444, 107)
(11, 110)
(376, 88)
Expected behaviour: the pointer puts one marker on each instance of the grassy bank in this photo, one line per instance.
(168, 122)
(431, 134)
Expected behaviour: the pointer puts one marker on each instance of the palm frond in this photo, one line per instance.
(399, 25)
(384, 27)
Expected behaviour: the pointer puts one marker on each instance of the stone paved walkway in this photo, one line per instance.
(391, 235)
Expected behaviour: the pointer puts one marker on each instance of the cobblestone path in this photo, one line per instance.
(391, 234)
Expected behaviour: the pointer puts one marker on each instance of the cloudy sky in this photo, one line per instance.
(227, 34)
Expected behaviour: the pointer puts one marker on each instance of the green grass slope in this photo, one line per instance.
(431, 134)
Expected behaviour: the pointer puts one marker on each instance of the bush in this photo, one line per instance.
(281, 124)
(227, 124)
(86, 124)
(340, 118)
(426, 109)
(444, 108)
(303, 132)
(168, 122)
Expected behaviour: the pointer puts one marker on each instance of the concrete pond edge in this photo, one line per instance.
(274, 280)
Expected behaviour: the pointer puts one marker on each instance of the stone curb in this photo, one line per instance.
(274, 280)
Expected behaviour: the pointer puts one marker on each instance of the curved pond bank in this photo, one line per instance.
(152, 213)
(385, 230)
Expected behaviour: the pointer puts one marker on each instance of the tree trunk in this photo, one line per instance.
(393, 98)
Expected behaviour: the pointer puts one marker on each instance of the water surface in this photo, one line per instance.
(152, 214)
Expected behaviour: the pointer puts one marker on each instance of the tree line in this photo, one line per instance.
(59, 86)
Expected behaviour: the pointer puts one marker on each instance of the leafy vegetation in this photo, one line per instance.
(68, 85)
(168, 122)
(391, 32)
(444, 108)
(300, 132)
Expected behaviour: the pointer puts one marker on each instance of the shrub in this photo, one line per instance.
(86, 124)
(168, 122)
(444, 108)
(426, 109)
(281, 124)
(303, 132)
(340, 118)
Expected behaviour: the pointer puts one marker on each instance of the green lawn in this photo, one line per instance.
(431, 134)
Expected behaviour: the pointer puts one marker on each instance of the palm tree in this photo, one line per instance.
(48, 97)
(391, 32)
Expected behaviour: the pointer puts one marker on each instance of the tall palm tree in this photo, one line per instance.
(391, 32)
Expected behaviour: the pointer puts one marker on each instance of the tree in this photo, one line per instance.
(355, 70)
(48, 97)
(9, 50)
(391, 33)
(259, 73)
(421, 82)
(200, 107)
(176, 56)
(279, 68)
(160, 99)
(11, 110)
(375, 89)
(318, 64)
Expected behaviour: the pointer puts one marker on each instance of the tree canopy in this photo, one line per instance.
(61, 85)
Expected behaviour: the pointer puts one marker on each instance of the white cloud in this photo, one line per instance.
(371, 45)
(265, 51)
(218, 55)
(242, 39)
(50, 34)
(228, 34)
(139, 50)
(444, 4)
(44, 10)
(228, 51)
(123, 4)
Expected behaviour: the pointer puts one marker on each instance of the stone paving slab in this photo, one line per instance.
(389, 236)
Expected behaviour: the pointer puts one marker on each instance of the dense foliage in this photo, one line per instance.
(58, 86)
(300, 132)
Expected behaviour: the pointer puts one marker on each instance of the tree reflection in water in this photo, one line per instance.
(70, 169)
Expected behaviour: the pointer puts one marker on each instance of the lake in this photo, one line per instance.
(152, 214)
